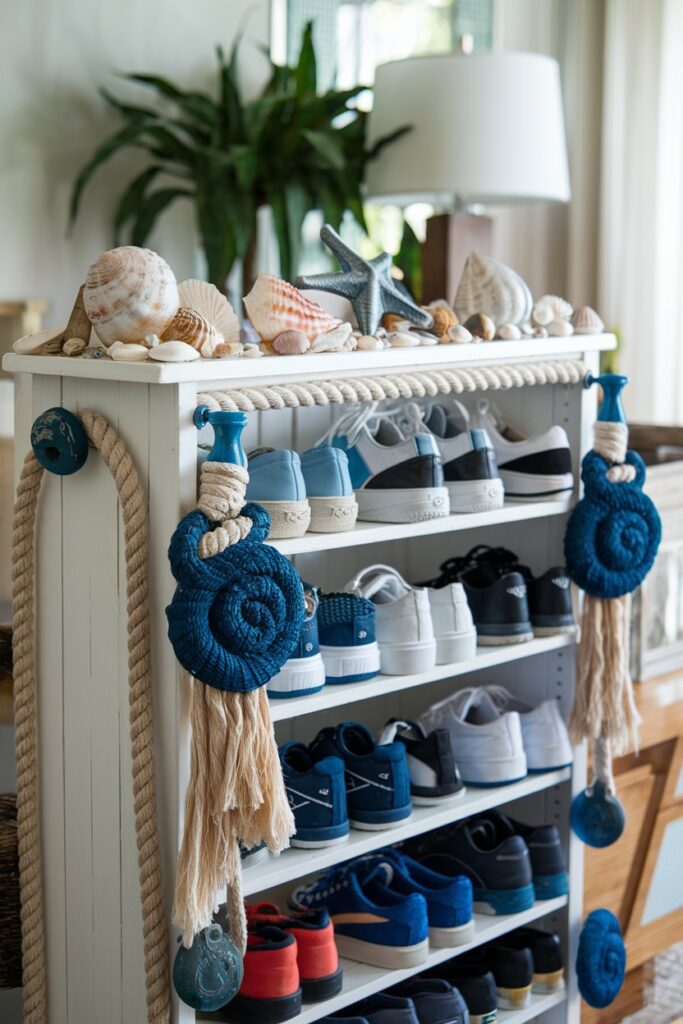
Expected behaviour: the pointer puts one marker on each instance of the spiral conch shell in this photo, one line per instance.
(128, 294)
(488, 286)
(274, 306)
(193, 329)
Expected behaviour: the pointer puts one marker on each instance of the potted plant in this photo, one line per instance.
(290, 148)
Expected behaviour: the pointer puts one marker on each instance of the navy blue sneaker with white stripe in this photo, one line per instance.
(348, 642)
(377, 779)
(304, 672)
(317, 796)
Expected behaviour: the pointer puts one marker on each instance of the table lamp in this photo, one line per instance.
(487, 129)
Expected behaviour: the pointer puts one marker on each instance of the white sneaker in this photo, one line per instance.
(403, 620)
(456, 637)
(544, 733)
(488, 745)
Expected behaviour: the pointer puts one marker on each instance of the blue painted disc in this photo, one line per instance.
(597, 817)
(208, 974)
(59, 441)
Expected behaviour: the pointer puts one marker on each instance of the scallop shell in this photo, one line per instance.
(334, 340)
(509, 332)
(459, 334)
(491, 286)
(173, 352)
(43, 343)
(291, 343)
(192, 328)
(559, 329)
(368, 343)
(128, 353)
(481, 326)
(550, 307)
(275, 306)
(129, 293)
(205, 299)
(587, 321)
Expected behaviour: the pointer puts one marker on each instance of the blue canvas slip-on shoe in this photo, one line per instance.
(434, 775)
(348, 644)
(435, 999)
(395, 479)
(371, 924)
(548, 864)
(317, 797)
(377, 779)
(277, 483)
(304, 672)
(334, 508)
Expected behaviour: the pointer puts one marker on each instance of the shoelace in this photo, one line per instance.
(375, 576)
(501, 559)
(352, 423)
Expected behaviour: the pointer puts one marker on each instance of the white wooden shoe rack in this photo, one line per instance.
(93, 923)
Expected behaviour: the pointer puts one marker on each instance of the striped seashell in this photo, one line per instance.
(205, 299)
(490, 287)
(587, 321)
(548, 308)
(291, 343)
(193, 329)
(128, 294)
(274, 306)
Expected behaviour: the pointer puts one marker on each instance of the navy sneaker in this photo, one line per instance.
(434, 775)
(250, 855)
(348, 643)
(435, 999)
(385, 1008)
(548, 864)
(546, 953)
(303, 673)
(512, 967)
(476, 985)
(550, 602)
(377, 779)
(317, 796)
(372, 924)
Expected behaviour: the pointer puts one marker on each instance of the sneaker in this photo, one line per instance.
(395, 479)
(317, 797)
(385, 1008)
(488, 744)
(377, 779)
(348, 644)
(548, 864)
(544, 734)
(270, 990)
(320, 975)
(435, 999)
(253, 854)
(403, 618)
(434, 775)
(531, 468)
(512, 967)
(546, 955)
(329, 491)
(304, 672)
(469, 461)
(476, 985)
(371, 924)
(454, 630)
(277, 483)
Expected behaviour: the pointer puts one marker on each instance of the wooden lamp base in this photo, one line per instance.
(450, 239)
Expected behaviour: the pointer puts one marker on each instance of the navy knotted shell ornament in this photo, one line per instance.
(597, 817)
(600, 959)
(208, 974)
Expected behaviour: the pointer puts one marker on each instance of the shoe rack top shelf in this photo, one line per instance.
(243, 372)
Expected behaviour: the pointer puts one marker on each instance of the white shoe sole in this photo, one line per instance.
(407, 659)
(544, 984)
(347, 662)
(287, 518)
(333, 515)
(441, 938)
(536, 486)
(452, 647)
(555, 630)
(318, 844)
(378, 826)
(388, 957)
(487, 771)
(475, 495)
(546, 759)
(501, 641)
(513, 998)
(436, 801)
(298, 674)
(402, 505)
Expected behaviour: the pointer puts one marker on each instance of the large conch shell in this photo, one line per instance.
(205, 299)
(193, 329)
(128, 294)
(488, 286)
(275, 306)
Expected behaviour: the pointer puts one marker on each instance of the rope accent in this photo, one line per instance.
(133, 510)
(411, 384)
(611, 441)
(221, 498)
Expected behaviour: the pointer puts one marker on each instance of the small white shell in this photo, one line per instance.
(509, 332)
(332, 341)
(540, 332)
(73, 346)
(428, 339)
(229, 350)
(40, 344)
(368, 343)
(252, 352)
(549, 308)
(559, 329)
(205, 299)
(587, 321)
(172, 352)
(400, 339)
(460, 335)
(131, 353)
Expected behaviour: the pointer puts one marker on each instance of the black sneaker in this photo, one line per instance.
(435, 999)
(550, 601)
(546, 952)
(434, 775)
(476, 985)
(469, 462)
(548, 864)
(512, 967)
(382, 1008)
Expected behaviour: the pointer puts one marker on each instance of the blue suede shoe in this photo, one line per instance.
(329, 491)
(277, 483)
(348, 645)
(377, 779)
(317, 797)
(304, 672)
(371, 924)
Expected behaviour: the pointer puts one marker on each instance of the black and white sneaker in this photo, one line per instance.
(434, 775)
(531, 468)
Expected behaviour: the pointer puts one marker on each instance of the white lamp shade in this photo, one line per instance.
(487, 128)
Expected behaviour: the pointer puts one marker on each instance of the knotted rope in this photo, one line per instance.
(133, 511)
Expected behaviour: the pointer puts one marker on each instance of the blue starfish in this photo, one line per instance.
(367, 284)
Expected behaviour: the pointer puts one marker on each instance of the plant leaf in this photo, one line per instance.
(119, 140)
(327, 146)
(387, 139)
(150, 209)
(305, 73)
(132, 198)
(195, 103)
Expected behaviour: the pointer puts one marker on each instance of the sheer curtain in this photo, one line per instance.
(640, 283)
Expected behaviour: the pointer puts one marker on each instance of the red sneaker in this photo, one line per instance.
(319, 971)
(270, 991)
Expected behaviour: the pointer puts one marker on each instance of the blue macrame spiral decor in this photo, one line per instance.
(600, 959)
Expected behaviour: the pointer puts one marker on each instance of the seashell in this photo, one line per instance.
(401, 339)
(43, 343)
(486, 284)
(540, 332)
(509, 332)
(229, 350)
(481, 326)
(205, 299)
(368, 343)
(128, 353)
(390, 322)
(79, 325)
(527, 329)
(252, 352)
(587, 321)
(193, 329)
(334, 340)
(443, 317)
(275, 306)
(459, 334)
(129, 293)
(173, 352)
(548, 308)
(291, 343)
(74, 346)
(559, 329)
(427, 339)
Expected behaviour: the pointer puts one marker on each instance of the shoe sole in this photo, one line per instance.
(488, 640)
(402, 505)
(555, 630)
(298, 677)
(503, 901)
(475, 495)
(388, 957)
(535, 486)
(547, 887)
(420, 800)
(513, 998)
(246, 1010)
(333, 515)
(545, 984)
(443, 938)
(250, 859)
(452, 647)
(314, 990)
(484, 1018)
(318, 844)
(407, 659)
(350, 664)
(378, 826)
(287, 518)
(488, 771)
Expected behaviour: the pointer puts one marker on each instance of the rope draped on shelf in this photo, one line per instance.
(410, 384)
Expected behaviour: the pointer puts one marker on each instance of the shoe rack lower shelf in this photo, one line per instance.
(297, 862)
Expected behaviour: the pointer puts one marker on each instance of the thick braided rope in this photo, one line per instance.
(221, 498)
(411, 384)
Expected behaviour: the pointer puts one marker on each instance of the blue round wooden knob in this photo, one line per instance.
(59, 441)
(597, 817)
(208, 974)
